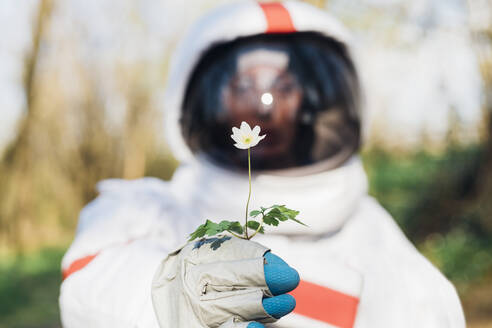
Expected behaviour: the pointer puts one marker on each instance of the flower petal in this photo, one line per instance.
(235, 130)
(245, 128)
(236, 138)
(241, 146)
(254, 143)
(256, 130)
(256, 140)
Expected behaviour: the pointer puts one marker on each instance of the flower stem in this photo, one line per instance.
(249, 194)
(236, 235)
(259, 227)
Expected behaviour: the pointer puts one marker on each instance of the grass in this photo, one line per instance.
(429, 197)
(29, 287)
(427, 194)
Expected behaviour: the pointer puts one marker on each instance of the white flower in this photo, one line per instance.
(245, 137)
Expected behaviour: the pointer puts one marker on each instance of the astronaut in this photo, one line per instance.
(288, 68)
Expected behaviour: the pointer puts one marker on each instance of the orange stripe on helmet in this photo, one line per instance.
(325, 304)
(278, 18)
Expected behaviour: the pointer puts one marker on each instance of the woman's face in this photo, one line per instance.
(263, 92)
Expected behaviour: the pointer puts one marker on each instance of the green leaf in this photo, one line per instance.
(276, 213)
(236, 227)
(272, 215)
(254, 213)
(198, 233)
(224, 224)
(291, 214)
(282, 213)
(213, 228)
(296, 220)
(270, 220)
(252, 224)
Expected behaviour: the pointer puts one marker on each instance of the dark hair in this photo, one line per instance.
(322, 66)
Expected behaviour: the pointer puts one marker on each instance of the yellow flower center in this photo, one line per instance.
(247, 140)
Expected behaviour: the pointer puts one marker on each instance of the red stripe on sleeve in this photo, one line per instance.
(77, 265)
(278, 18)
(325, 304)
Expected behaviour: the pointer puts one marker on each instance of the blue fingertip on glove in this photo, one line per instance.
(279, 276)
(273, 259)
(278, 306)
(255, 325)
(280, 279)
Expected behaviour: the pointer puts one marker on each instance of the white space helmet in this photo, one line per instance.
(283, 66)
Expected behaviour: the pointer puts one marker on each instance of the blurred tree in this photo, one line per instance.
(16, 196)
(69, 141)
(483, 179)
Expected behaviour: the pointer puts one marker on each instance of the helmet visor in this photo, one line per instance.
(302, 96)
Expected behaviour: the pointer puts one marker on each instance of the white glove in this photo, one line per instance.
(215, 282)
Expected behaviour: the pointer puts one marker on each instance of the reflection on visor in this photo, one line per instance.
(267, 99)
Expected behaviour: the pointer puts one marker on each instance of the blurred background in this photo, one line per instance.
(81, 85)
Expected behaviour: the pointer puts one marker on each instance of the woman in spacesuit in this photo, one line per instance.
(287, 68)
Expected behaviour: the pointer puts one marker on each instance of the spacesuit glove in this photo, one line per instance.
(223, 282)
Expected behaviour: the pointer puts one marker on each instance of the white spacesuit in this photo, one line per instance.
(357, 268)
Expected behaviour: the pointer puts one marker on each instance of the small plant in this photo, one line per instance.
(245, 138)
